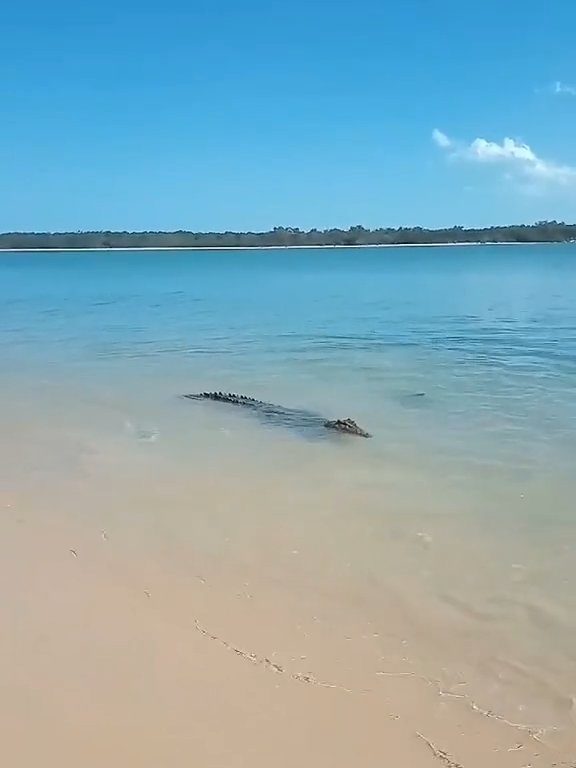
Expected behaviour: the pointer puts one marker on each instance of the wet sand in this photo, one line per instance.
(216, 618)
(117, 663)
(182, 585)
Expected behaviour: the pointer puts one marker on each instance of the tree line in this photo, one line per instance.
(540, 232)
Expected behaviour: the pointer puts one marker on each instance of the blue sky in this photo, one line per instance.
(220, 114)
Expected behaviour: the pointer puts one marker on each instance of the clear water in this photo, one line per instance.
(468, 490)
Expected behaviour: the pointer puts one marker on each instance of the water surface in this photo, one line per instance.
(454, 527)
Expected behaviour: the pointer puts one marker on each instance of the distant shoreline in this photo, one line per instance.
(288, 237)
(278, 247)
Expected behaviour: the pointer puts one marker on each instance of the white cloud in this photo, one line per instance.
(563, 89)
(441, 139)
(489, 151)
(518, 159)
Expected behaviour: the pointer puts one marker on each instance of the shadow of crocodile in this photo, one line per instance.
(307, 423)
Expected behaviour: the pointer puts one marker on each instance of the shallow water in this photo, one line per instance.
(452, 531)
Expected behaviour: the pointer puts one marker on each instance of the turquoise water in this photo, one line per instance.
(489, 334)
(463, 489)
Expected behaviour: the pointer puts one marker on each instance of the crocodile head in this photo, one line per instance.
(348, 426)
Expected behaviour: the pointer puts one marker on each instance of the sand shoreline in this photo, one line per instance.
(266, 247)
(184, 586)
(157, 664)
(223, 618)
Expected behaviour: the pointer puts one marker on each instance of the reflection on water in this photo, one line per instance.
(455, 523)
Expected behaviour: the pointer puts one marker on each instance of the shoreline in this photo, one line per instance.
(274, 247)
(217, 591)
(238, 645)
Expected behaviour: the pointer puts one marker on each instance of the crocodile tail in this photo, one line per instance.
(225, 397)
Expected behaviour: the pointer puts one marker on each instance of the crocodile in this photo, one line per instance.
(302, 420)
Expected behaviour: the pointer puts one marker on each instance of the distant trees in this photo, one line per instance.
(280, 237)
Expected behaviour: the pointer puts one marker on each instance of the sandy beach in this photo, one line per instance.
(109, 660)
(187, 584)
(151, 626)
(263, 247)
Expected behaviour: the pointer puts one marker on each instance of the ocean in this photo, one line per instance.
(451, 533)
